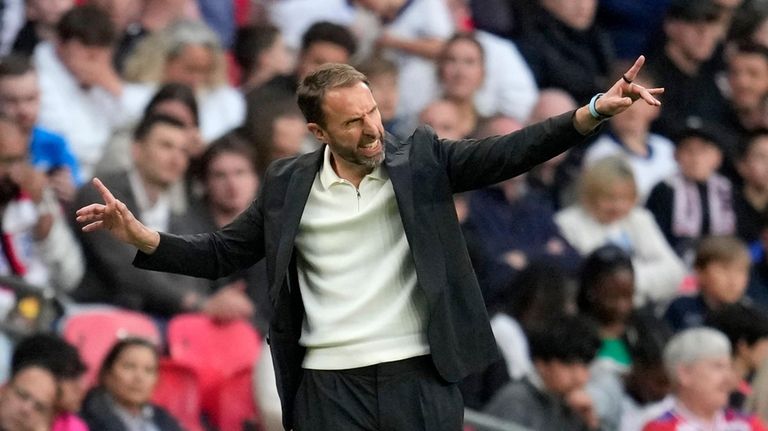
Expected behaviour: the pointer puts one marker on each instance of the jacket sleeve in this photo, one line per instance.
(210, 255)
(476, 163)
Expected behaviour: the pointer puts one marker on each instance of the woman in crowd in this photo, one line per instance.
(189, 52)
(121, 401)
(461, 73)
(607, 213)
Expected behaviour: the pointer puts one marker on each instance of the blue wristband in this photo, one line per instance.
(593, 109)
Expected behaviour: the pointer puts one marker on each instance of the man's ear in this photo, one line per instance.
(317, 132)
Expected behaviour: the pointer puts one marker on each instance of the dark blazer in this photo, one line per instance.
(109, 276)
(425, 172)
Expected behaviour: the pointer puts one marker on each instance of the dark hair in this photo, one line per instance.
(312, 89)
(150, 121)
(720, 248)
(264, 105)
(538, 281)
(15, 65)
(118, 348)
(230, 143)
(178, 92)
(250, 42)
(460, 37)
(750, 47)
(569, 339)
(49, 351)
(604, 260)
(88, 24)
(740, 322)
(325, 31)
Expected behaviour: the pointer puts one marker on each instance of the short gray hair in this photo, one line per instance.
(692, 345)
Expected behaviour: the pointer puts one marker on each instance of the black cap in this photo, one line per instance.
(694, 10)
(697, 127)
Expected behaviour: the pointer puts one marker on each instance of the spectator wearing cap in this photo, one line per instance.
(698, 362)
(688, 63)
(700, 199)
(51, 352)
(747, 329)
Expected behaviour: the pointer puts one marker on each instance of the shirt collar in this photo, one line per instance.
(686, 415)
(329, 177)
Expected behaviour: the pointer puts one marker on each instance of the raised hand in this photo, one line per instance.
(625, 92)
(116, 218)
(617, 99)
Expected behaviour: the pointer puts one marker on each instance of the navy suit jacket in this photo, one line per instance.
(425, 172)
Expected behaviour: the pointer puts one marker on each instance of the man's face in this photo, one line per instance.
(443, 117)
(709, 380)
(20, 99)
(231, 182)
(193, 66)
(748, 79)
(162, 158)
(695, 40)
(753, 168)
(318, 54)
(353, 129)
(26, 402)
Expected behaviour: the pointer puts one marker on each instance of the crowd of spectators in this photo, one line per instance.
(626, 280)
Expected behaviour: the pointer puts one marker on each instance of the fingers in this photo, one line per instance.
(646, 95)
(93, 226)
(104, 191)
(632, 72)
(91, 209)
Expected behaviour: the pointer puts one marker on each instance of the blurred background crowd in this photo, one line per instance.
(624, 279)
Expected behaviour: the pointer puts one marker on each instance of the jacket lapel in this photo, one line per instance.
(296, 195)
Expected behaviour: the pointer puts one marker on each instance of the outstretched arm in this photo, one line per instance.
(115, 217)
(617, 99)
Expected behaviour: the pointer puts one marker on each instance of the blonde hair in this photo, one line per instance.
(598, 178)
(148, 61)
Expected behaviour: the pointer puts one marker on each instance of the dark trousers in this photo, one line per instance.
(405, 395)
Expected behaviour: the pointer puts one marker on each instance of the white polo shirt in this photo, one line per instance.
(356, 275)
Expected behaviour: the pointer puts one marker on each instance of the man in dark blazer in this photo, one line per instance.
(159, 161)
(326, 378)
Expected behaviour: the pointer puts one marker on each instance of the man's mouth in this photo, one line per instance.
(371, 149)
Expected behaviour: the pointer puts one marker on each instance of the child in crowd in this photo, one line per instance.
(722, 272)
(701, 199)
(607, 214)
(561, 350)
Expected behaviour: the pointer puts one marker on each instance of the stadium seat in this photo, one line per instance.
(178, 392)
(94, 331)
(234, 405)
(215, 350)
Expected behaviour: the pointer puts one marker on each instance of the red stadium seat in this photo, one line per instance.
(178, 392)
(94, 331)
(215, 350)
(235, 403)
